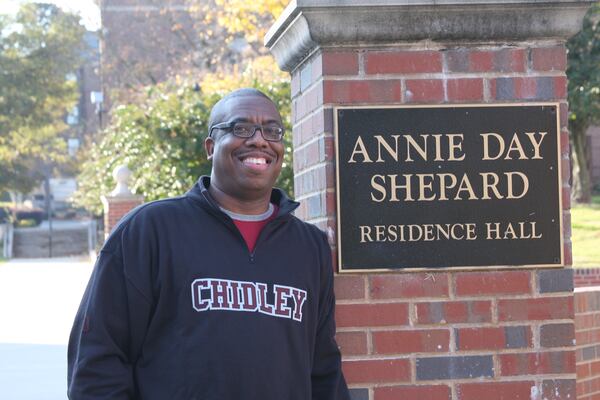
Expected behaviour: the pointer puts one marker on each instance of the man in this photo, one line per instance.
(220, 294)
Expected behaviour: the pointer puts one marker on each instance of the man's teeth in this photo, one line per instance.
(252, 160)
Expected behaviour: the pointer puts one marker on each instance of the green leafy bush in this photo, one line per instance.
(161, 139)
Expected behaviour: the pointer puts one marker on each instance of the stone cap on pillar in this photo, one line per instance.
(121, 192)
(120, 201)
(308, 24)
(121, 174)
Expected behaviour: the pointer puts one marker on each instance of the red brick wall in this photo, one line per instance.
(467, 335)
(587, 333)
(115, 208)
(586, 277)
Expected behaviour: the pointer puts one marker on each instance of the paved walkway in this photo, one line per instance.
(38, 301)
(61, 225)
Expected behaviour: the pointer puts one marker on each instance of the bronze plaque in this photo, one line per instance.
(434, 187)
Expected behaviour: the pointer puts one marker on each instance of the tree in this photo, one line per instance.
(237, 20)
(185, 38)
(39, 50)
(161, 138)
(584, 97)
(160, 133)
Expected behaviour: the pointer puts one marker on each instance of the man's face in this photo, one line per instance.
(245, 168)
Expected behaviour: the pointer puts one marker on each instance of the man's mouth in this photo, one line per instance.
(256, 162)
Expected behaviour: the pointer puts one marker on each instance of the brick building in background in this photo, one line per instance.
(143, 41)
(83, 122)
(88, 77)
(461, 335)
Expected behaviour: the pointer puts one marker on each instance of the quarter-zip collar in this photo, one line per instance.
(199, 194)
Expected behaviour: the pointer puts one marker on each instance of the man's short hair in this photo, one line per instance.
(216, 112)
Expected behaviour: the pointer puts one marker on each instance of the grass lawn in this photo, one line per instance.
(585, 221)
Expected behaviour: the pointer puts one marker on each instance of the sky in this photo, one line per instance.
(89, 12)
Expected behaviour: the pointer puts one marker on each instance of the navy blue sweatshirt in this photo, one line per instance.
(178, 308)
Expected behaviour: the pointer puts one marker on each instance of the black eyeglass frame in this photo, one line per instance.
(230, 126)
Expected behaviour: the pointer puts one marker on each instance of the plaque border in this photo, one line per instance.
(341, 270)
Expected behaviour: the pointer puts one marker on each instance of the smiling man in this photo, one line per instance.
(221, 294)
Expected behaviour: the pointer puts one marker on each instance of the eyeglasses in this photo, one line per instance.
(245, 130)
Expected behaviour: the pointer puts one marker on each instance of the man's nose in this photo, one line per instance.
(257, 139)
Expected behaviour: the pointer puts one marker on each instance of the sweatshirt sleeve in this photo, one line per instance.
(327, 379)
(109, 329)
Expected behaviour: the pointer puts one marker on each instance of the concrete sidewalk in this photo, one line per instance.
(38, 301)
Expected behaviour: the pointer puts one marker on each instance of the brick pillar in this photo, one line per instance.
(120, 201)
(587, 316)
(439, 335)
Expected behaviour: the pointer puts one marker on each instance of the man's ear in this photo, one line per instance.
(209, 147)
